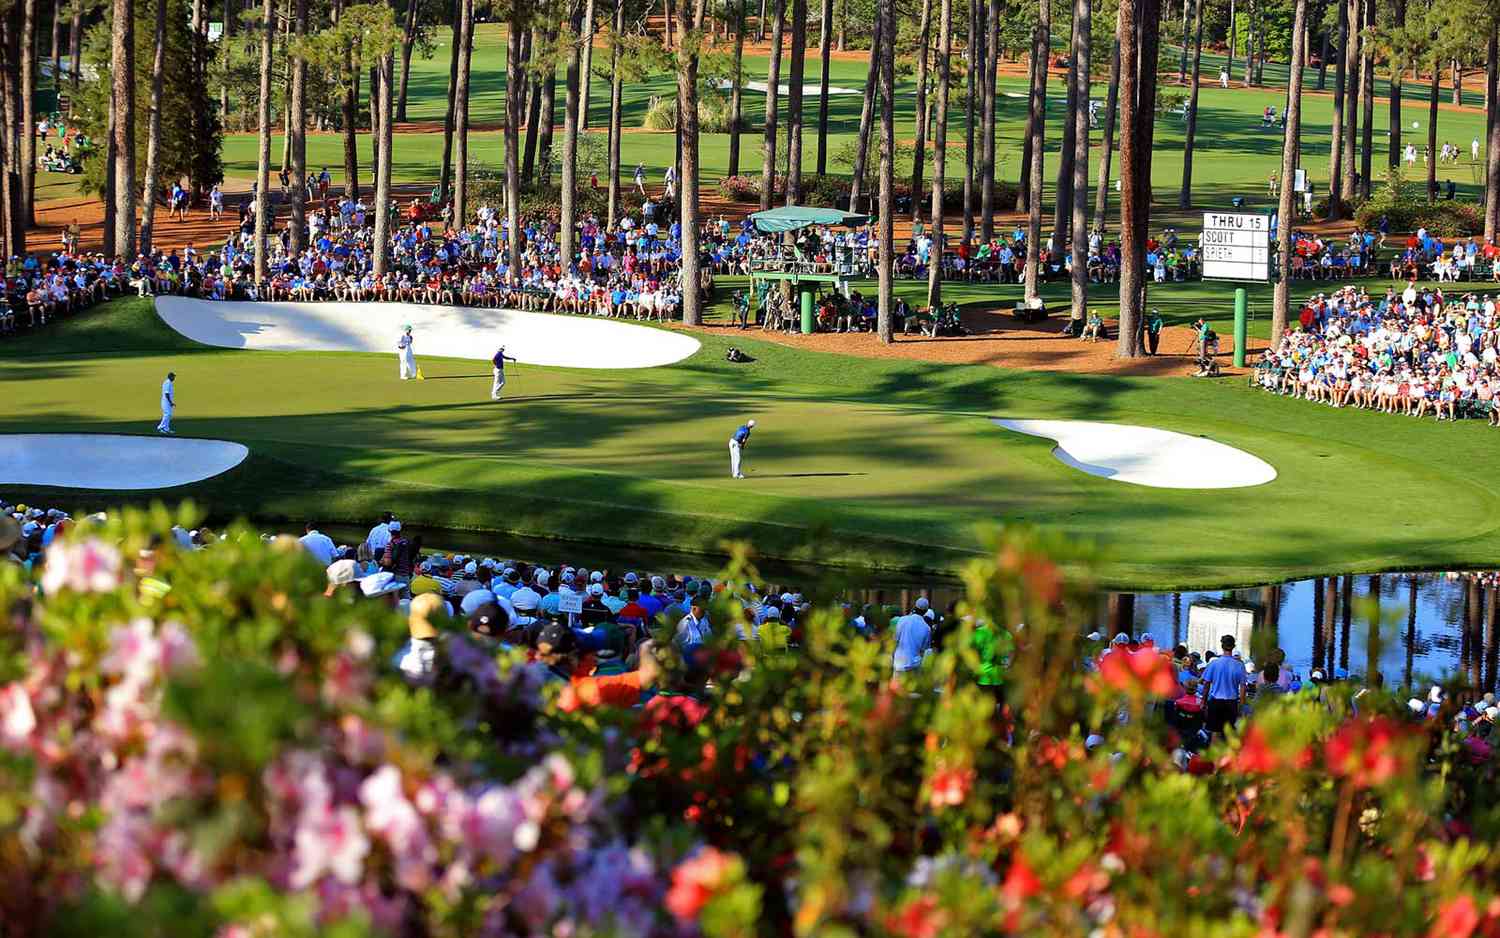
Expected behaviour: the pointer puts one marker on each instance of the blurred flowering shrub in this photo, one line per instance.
(233, 756)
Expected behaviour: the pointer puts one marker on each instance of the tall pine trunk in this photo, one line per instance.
(1432, 144)
(1185, 197)
(885, 315)
(1081, 55)
(512, 152)
(1492, 151)
(122, 59)
(445, 181)
(615, 92)
(1062, 208)
(1023, 181)
(57, 8)
(1336, 153)
(1352, 93)
(299, 131)
(75, 43)
(586, 65)
(736, 87)
(940, 153)
(408, 39)
(987, 125)
(1040, 46)
(26, 156)
(384, 92)
(1394, 65)
(533, 131)
(549, 117)
(971, 74)
(825, 46)
(153, 130)
(568, 198)
(263, 163)
(1286, 211)
(1107, 146)
(794, 103)
(10, 177)
(773, 89)
(351, 117)
(1138, 49)
(1367, 103)
(687, 122)
(461, 113)
(919, 154)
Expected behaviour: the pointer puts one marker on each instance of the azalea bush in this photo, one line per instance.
(203, 744)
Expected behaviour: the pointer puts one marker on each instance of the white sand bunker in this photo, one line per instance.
(808, 91)
(1147, 456)
(445, 331)
(113, 462)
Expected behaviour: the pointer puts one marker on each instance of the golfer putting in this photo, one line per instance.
(499, 365)
(406, 355)
(167, 403)
(737, 444)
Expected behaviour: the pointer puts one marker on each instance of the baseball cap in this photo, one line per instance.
(558, 638)
(489, 619)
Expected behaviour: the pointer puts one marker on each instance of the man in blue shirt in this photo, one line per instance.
(1224, 683)
(738, 442)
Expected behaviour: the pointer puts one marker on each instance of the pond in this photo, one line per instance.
(1411, 627)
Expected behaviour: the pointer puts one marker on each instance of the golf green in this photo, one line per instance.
(854, 461)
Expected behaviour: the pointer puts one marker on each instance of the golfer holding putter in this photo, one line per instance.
(737, 443)
(499, 363)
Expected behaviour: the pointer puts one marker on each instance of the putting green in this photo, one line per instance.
(885, 463)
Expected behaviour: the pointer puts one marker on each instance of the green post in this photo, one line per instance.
(1241, 303)
(807, 309)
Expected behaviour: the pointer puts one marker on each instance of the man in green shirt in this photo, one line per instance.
(994, 646)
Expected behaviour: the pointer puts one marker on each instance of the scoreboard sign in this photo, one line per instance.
(1236, 246)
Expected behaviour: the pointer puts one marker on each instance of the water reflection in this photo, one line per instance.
(1409, 627)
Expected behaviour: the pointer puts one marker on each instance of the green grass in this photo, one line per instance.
(872, 463)
(1233, 155)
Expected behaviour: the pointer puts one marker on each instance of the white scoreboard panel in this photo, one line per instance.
(1236, 246)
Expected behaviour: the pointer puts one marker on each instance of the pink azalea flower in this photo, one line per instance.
(17, 719)
(329, 841)
(87, 566)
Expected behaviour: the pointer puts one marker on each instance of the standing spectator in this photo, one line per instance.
(318, 544)
(1224, 683)
(913, 638)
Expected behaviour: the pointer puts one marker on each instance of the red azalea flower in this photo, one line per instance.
(695, 880)
(1020, 883)
(950, 787)
(1457, 918)
(919, 918)
(678, 712)
(1145, 673)
(1367, 752)
(1256, 757)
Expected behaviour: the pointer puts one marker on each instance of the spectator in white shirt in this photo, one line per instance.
(380, 535)
(913, 638)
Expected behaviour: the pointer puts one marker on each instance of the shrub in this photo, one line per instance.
(1405, 206)
(713, 113)
(740, 188)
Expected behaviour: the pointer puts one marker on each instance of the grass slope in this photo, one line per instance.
(857, 462)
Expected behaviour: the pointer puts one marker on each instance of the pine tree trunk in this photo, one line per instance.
(1062, 209)
(533, 133)
(825, 46)
(1107, 147)
(971, 70)
(10, 180)
(26, 157)
(1432, 145)
(1023, 181)
(987, 124)
(1185, 197)
(1138, 50)
(1458, 83)
(924, 34)
(615, 100)
(773, 88)
(544, 142)
(384, 94)
(299, 132)
(687, 122)
(737, 88)
(1367, 104)
(75, 44)
(1286, 211)
(1323, 60)
(460, 98)
(760, 24)
(587, 66)
(1393, 122)
(1081, 55)
(1336, 153)
(940, 154)
(263, 164)
(794, 103)
(1352, 93)
(885, 315)
(568, 197)
(111, 160)
(445, 181)
(224, 53)
(512, 149)
(350, 116)
(1038, 142)
(1492, 151)
(1234, 27)
(153, 130)
(408, 39)
(57, 8)
(122, 59)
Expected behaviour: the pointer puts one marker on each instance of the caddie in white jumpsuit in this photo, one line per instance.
(737, 443)
(167, 403)
(406, 355)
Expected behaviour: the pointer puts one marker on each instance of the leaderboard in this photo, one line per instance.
(1236, 246)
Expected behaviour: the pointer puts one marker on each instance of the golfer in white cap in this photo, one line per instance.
(499, 365)
(167, 403)
(737, 444)
(406, 355)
